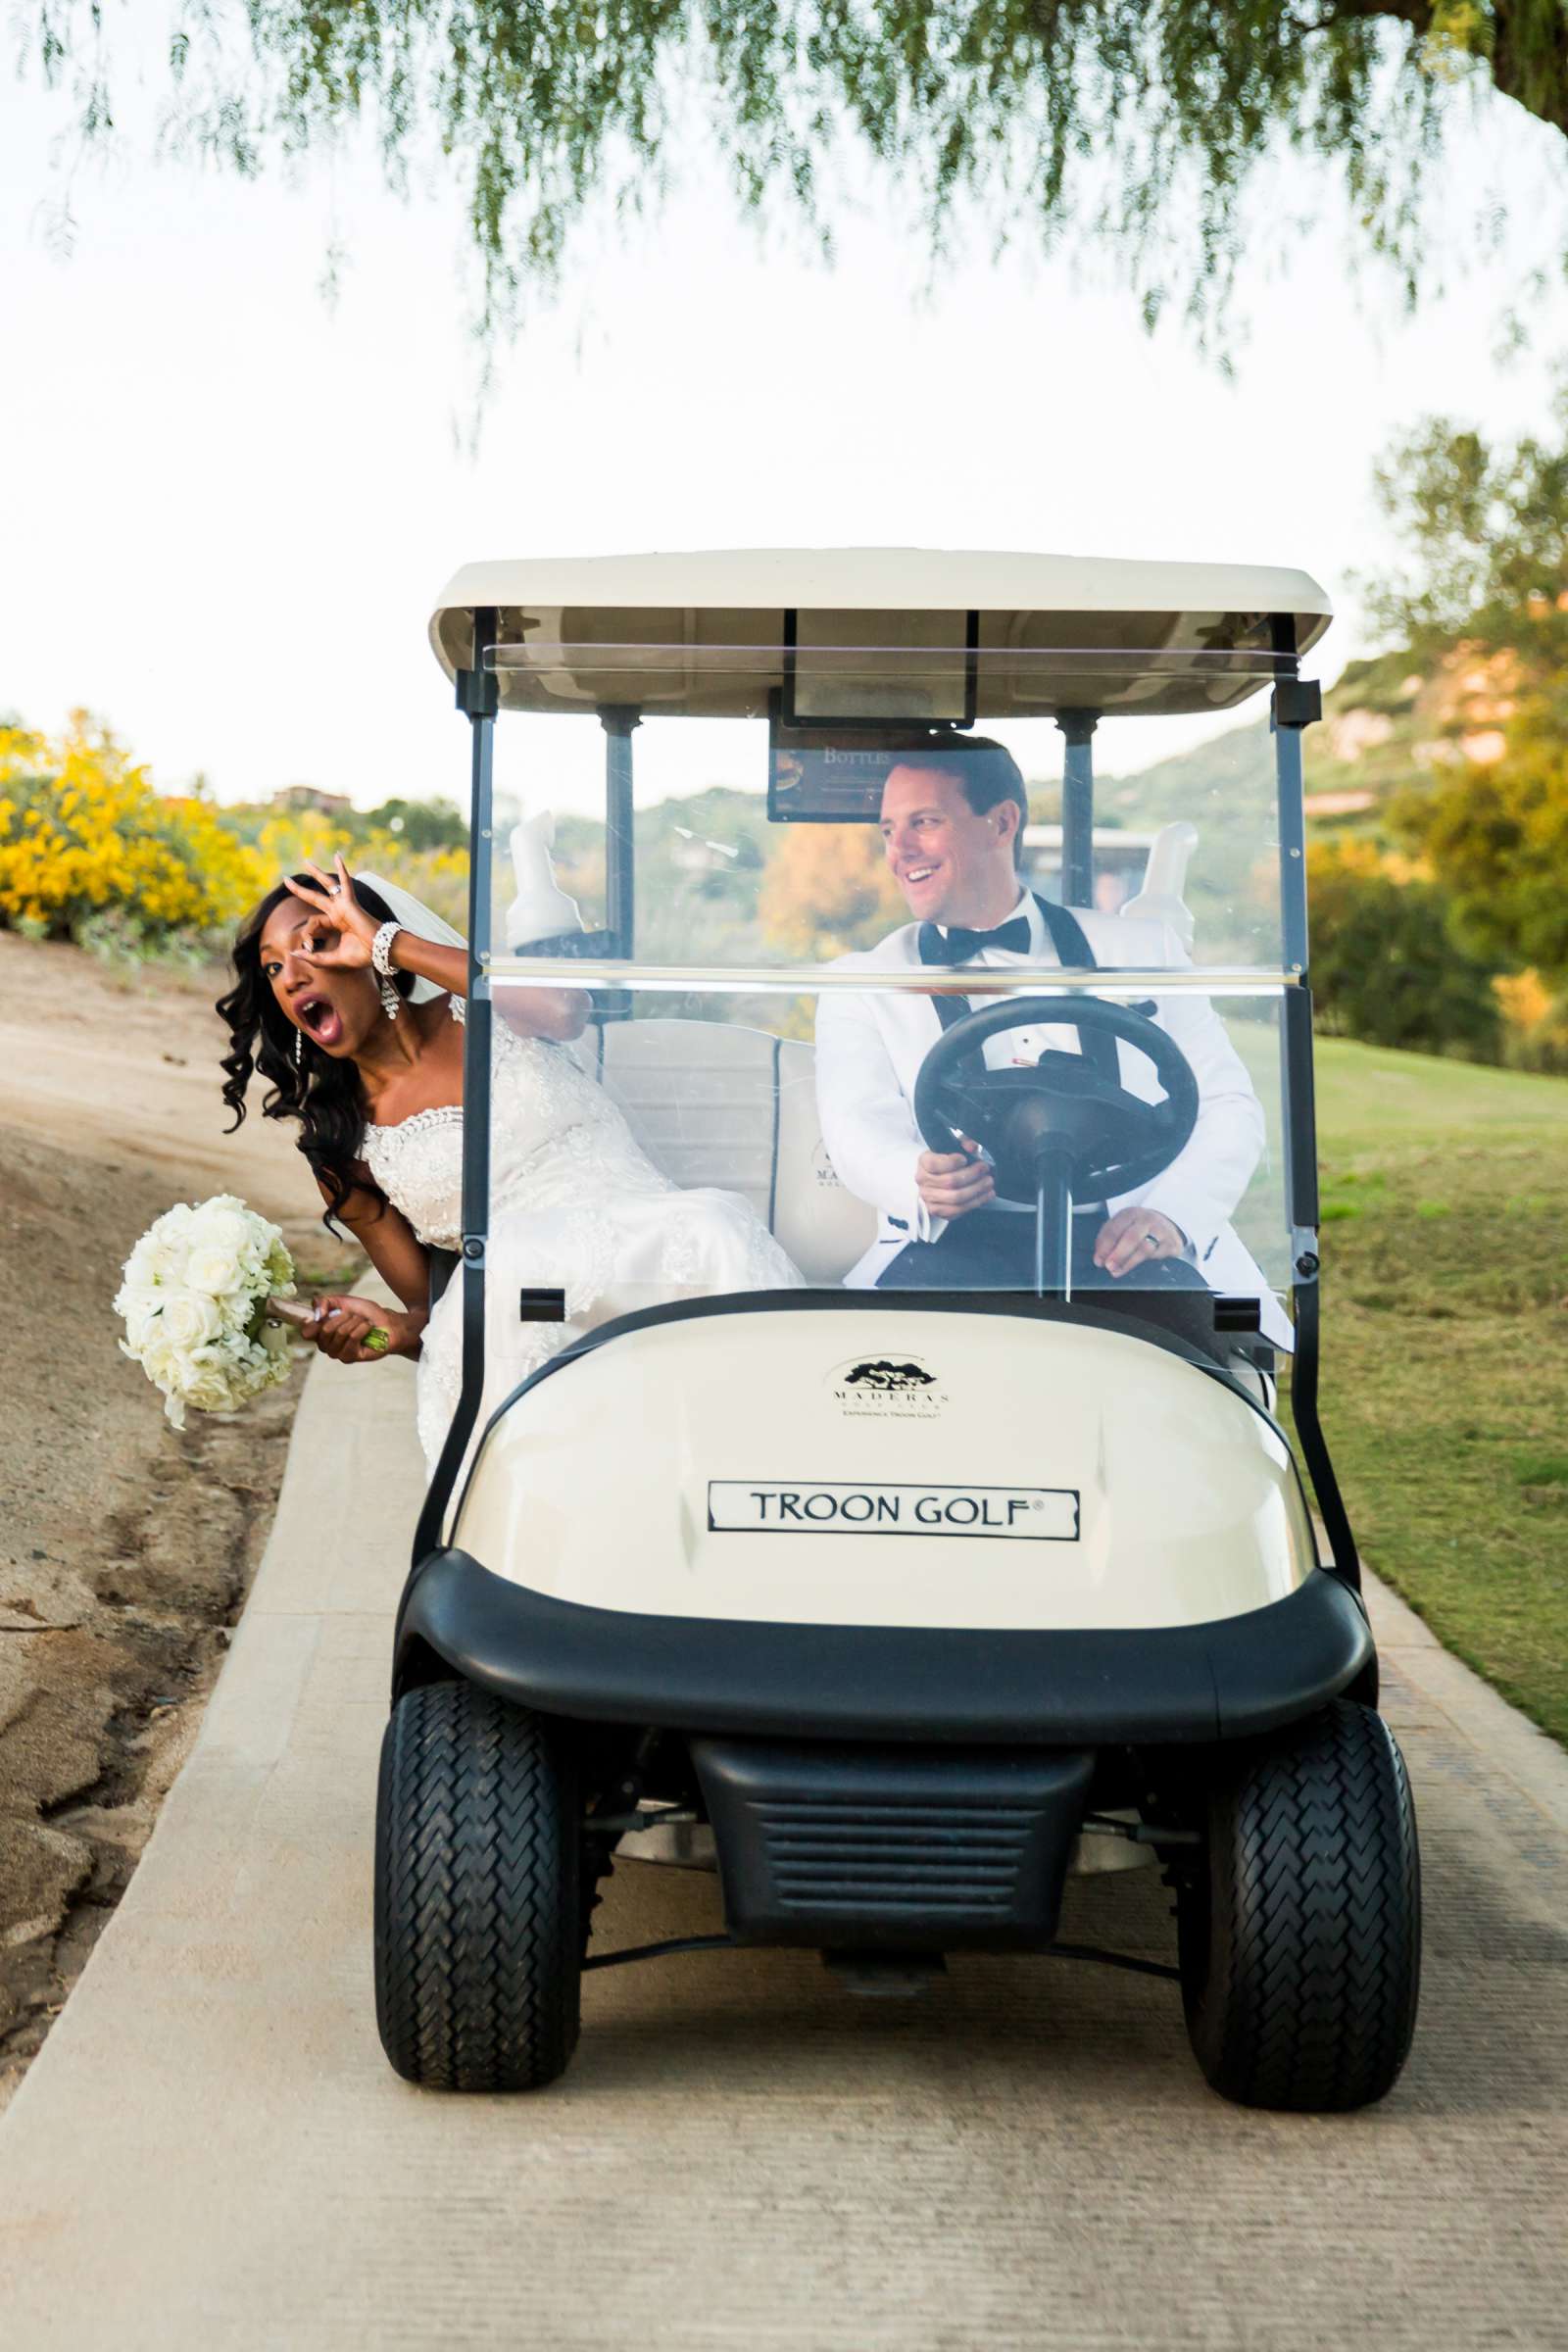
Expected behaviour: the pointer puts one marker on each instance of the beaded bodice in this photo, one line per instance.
(557, 1140)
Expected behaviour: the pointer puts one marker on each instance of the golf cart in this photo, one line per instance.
(899, 1606)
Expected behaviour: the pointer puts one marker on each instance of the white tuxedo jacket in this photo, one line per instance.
(868, 1054)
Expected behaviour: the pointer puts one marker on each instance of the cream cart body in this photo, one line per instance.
(898, 1605)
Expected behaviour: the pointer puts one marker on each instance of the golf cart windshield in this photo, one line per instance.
(718, 849)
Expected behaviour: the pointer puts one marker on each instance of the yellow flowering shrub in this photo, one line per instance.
(1526, 999)
(289, 844)
(1536, 1023)
(85, 835)
(82, 832)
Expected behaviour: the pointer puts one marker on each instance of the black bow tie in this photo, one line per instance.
(963, 947)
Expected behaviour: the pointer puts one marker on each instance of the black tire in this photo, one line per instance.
(478, 1927)
(1300, 1945)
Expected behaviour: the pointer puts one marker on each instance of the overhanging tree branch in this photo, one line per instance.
(1138, 123)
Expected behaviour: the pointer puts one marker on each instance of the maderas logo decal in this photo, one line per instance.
(887, 1387)
(888, 1375)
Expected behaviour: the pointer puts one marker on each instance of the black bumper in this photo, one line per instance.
(1228, 1680)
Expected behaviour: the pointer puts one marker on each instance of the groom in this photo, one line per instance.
(952, 820)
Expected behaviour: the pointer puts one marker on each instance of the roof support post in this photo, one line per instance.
(620, 841)
(478, 698)
(1295, 702)
(1078, 806)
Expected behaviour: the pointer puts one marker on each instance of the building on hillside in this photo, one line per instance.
(298, 799)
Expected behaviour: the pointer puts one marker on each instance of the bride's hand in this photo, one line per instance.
(347, 930)
(340, 1326)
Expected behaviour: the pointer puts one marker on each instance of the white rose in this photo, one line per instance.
(231, 1229)
(218, 1271)
(162, 1363)
(163, 1256)
(141, 1266)
(141, 1307)
(190, 1318)
(135, 1282)
(205, 1380)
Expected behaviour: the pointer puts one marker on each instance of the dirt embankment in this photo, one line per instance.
(126, 1548)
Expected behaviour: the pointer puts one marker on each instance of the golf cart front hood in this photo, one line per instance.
(888, 1466)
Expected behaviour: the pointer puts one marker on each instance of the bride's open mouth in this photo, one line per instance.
(318, 1018)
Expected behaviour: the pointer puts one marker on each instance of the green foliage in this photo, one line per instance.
(1484, 589)
(1385, 968)
(1227, 788)
(1496, 837)
(1484, 530)
(126, 944)
(699, 863)
(416, 826)
(1139, 124)
(1482, 598)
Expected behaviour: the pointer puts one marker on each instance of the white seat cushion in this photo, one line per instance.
(713, 1104)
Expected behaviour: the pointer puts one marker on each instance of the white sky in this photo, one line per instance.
(227, 510)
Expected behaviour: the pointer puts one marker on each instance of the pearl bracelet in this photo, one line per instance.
(381, 949)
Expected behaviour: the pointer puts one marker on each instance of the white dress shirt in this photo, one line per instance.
(868, 1054)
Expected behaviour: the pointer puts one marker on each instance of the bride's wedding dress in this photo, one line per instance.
(574, 1204)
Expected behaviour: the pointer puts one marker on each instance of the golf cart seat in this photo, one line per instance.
(714, 1103)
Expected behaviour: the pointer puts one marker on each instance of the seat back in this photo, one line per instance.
(713, 1104)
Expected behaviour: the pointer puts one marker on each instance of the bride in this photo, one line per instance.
(353, 1014)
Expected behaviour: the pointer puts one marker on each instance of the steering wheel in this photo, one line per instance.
(1059, 1115)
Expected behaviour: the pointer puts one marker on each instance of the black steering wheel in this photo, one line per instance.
(1059, 1117)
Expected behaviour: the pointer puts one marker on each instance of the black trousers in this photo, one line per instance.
(991, 1251)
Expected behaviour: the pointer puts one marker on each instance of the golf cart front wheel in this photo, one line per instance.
(1300, 1945)
(478, 1923)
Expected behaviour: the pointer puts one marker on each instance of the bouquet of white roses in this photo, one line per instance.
(206, 1295)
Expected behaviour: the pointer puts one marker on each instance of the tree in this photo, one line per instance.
(827, 889)
(1484, 533)
(1138, 122)
(418, 825)
(1483, 592)
(1497, 838)
(1385, 968)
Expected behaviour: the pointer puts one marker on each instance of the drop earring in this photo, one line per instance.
(298, 1048)
(381, 963)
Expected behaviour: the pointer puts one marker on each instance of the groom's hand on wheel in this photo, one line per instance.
(952, 1182)
(1136, 1237)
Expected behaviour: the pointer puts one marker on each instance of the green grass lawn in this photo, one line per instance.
(1446, 1350)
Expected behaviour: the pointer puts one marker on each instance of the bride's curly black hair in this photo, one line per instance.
(321, 1091)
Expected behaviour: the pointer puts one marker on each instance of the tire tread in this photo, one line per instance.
(1302, 1981)
(478, 1942)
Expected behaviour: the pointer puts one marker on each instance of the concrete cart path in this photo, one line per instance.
(212, 2151)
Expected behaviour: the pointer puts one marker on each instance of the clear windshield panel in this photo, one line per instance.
(649, 1146)
(755, 843)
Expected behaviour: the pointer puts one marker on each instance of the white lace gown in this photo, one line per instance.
(574, 1204)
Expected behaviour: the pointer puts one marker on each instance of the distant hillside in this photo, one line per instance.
(1238, 761)
(1388, 727)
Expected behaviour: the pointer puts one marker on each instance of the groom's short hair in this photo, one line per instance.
(986, 771)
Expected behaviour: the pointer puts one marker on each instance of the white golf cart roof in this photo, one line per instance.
(715, 632)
